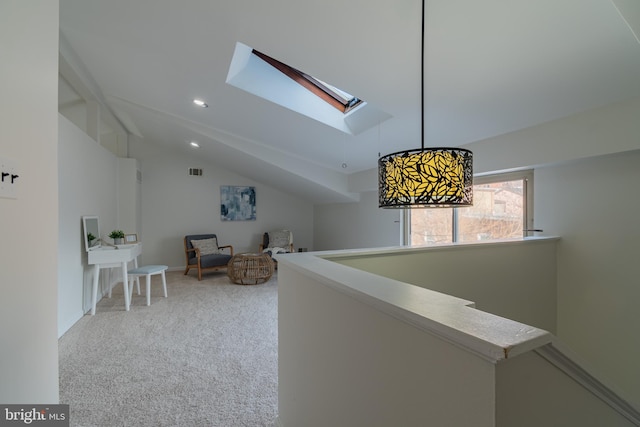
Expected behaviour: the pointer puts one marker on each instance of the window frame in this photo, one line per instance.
(333, 96)
(527, 187)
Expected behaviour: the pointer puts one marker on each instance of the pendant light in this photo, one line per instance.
(425, 177)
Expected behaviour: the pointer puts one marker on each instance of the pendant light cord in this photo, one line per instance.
(422, 82)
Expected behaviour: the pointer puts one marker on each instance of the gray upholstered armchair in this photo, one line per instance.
(204, 254)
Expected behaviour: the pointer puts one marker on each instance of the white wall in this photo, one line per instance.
(129, 200)
(175, 204)
(358, 349)
(356, 225)
(586, 179)
(593, 205)
(29, 223)
(515, 280)
(586, 194)
(610, 129)
(87, 186)
(343, 362)
(531, 392)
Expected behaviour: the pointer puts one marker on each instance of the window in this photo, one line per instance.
(335, 97)
(270, 79)
(502, 209)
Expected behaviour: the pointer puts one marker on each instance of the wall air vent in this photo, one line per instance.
(195, 171)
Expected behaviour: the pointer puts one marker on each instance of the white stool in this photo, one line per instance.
(147, 271)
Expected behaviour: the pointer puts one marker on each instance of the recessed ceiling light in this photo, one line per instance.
(194, 144)
(200, 103)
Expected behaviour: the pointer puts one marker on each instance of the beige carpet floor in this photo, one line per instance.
(204, 356)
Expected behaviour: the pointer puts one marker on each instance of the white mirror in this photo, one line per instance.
(91, 231)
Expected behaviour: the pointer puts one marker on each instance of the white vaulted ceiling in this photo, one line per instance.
(492, 67)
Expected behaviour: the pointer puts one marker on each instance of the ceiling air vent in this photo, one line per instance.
(195, 171)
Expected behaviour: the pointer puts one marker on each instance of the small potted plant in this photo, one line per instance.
(117, 236)
(90, 239)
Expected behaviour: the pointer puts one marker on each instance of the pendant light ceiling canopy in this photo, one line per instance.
(421, 178)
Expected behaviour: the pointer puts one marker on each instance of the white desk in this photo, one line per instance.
(107, 257)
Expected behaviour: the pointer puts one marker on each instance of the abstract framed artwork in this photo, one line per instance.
(237, 203)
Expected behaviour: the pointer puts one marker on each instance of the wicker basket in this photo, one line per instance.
(250, 269)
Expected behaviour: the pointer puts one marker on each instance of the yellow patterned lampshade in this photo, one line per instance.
(432, 177)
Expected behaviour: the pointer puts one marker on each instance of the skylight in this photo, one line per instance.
(270, 79)
(335, 97)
